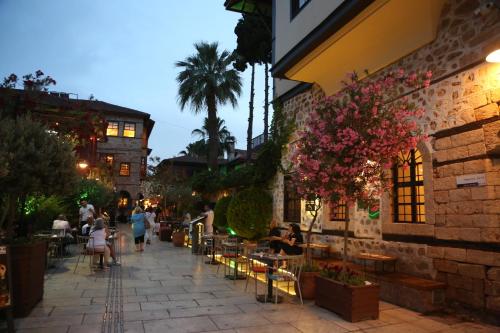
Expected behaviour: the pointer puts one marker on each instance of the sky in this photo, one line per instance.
(123, 52)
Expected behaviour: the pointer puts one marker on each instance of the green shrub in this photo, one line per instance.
(250, 213)
(220, 212)
(42, 211)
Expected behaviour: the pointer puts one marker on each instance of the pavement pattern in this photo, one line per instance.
(167, 289)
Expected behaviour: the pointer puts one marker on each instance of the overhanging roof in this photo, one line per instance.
(357, 38)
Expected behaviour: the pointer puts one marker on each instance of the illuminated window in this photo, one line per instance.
(408, 192)
(129, 130)
(337, 211)
(124, 169)
(291, 202)
(112, 129)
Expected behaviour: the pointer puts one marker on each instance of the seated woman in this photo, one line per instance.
(98, 235)
(274, 237)
(290, 245)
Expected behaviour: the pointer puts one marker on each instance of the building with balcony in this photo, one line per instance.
(442, 218)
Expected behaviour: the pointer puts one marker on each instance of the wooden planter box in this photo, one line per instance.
(352, 303)
(178, 238)
(307, 285)
(28, 271)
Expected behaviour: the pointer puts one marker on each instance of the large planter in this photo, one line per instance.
(307, 285)
(28, 269)
(352, 303)
(178, 238)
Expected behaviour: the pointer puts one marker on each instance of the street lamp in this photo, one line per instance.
(83, 164)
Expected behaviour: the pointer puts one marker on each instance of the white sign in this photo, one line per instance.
(478, 179)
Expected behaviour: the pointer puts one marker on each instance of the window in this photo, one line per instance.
(408, 192)
(291, 203)
(337, 211)
(112, 129)
(296, 6)
(129, 130)
(125, 169)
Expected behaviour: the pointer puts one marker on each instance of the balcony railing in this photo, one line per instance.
(257, 141)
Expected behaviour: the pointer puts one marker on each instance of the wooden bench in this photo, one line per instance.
(324, 249)
(377, 258)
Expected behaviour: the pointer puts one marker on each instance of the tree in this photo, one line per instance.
(224, 136)
(206, 82)
(196, 149)
(38, 163)
(351, 138)
(254, 45)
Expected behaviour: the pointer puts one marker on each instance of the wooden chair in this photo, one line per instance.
(289, 274)
(255, 267)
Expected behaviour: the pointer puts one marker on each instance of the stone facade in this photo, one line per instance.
(127, 150)
(460, 242)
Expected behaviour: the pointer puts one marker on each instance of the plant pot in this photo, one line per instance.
(28, 269)
(307, 285)
(352, 303)
(178, 238)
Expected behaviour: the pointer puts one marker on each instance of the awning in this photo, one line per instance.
(379, 35)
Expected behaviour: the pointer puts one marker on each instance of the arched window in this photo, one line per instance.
(408, 178)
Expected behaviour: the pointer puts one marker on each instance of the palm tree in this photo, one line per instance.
(195, 149)
(206, 81)
(225, 137)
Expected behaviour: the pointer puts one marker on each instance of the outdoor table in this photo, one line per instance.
(364, 256)
(269, 259)
(236, 247)
(212, 260)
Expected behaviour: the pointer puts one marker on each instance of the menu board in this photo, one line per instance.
(5, 293)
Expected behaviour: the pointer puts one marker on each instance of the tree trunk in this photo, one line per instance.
(309, 232)
(213, 135)
(346, 236)
(266, 102)
(250, 116)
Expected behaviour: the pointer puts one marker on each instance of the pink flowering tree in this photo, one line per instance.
(351, 138)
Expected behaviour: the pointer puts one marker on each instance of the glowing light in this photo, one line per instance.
(83, 164)
(494, 56)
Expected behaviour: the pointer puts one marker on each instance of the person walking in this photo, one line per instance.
(138, 226)
(86, 210)
(149, 224)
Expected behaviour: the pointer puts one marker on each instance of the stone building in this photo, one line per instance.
(442, 219)
(125, 149)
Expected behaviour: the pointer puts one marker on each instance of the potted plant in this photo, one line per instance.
(308, 280)
(350, 140)
(347, 293)
(178, 235)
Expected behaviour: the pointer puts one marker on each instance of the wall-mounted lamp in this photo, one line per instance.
(494, 56)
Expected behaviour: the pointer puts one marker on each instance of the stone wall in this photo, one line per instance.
(460, 242)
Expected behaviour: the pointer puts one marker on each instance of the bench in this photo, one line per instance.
(324, 249)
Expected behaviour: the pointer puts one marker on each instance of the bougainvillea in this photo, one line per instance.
(350, 138)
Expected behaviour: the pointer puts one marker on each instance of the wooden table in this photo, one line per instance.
(269, 259)
(376, 258)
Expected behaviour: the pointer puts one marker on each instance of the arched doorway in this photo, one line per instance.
(124, 206)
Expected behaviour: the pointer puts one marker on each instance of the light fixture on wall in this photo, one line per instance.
(494, 56)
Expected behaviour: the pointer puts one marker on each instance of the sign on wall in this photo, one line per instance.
(478, 179)
(306, 217)
(5, 294)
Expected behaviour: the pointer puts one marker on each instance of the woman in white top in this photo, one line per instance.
(150, 217)
(97, 241)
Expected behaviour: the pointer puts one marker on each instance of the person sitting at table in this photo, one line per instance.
(98, 235)
(290, 244)
(88, 226)
(275, 237)
(61, 224)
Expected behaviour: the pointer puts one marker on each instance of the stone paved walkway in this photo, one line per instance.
(166, 289)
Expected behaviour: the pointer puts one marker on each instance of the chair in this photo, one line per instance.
(289, 274)
(230, 252)
(92, 251)
(81, 242)
(254, 267)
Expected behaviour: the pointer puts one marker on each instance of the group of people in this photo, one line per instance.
(144, 226)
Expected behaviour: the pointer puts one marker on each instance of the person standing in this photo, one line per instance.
(149, 224)
(209, 221)
(85, 211)
(138, 220)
